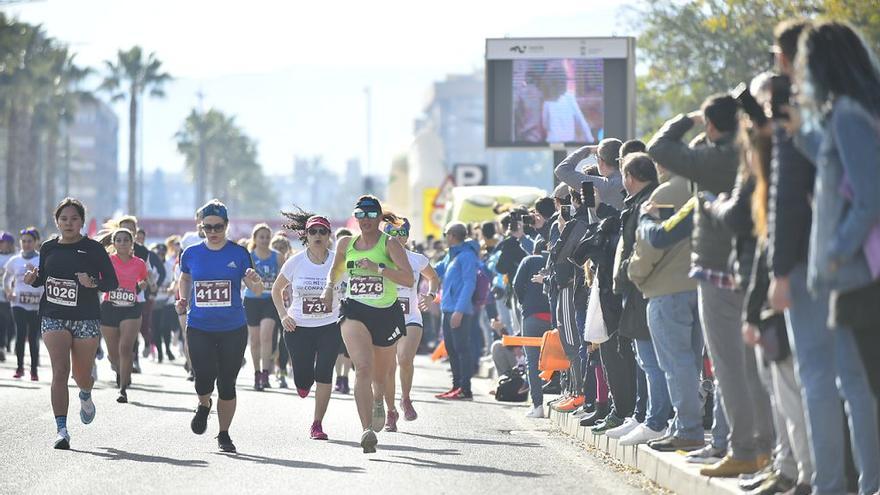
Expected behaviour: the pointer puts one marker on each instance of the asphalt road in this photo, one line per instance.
(146, 446)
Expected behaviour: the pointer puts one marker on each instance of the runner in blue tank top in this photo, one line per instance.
(262, 319)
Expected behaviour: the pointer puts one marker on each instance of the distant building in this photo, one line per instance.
(93, 176)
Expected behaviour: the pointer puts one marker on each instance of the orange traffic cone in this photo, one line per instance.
(439, 352)
(552, 357)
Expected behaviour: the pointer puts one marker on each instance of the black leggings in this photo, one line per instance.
(216, 356)
(27, 326)
(164, 321)
(7, 326)
(313, 351)
(283, 355)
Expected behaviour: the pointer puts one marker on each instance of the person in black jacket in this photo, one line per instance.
(73, 269)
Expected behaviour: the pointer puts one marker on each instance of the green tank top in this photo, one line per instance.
(366, 286)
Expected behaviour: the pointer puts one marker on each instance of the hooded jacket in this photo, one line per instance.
(458, 271)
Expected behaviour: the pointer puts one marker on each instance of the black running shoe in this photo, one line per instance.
(224, 442)
(123, 397)
(199, 422)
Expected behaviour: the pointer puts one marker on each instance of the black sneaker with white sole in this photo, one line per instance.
(224, 442)
(199, 422)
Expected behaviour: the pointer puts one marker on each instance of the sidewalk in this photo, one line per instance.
(669, 470)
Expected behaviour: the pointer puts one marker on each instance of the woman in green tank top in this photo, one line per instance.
(372, 320)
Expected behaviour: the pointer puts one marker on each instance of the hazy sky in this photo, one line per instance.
(294, 75)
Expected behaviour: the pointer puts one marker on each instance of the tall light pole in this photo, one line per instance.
(368, 181)
(201, 166)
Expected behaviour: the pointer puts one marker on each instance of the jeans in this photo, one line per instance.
(748, 407)
(534, 327)
(659, 403)
(642, 393)
(459, 348)
(678, 341)
(477, 344)
(828, 364)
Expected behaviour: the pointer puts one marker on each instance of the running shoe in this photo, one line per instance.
(265, 378)
(369, 441)
(409, 412)
(338, 387)
(450, 394)
(19, 372)
(258, 381)
(569, 406)
(378, 414)
(461, 395)
(282, 381)
(345, 388)
(199, 422)
(62, 441)
(224, 442)
(317, 433)
(123, 397)
(451, 391)
(391, 421)
(536, 412)
(707, 455)
(86, 410)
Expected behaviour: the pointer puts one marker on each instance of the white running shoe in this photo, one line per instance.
(62, 441)
(536, 412)
(378, 415)
(629, 424)
(639, 435)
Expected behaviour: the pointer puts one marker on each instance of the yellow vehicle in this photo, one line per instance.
(475, 203)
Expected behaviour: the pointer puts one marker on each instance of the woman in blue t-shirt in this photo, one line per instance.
(212, 273)
(259, 310)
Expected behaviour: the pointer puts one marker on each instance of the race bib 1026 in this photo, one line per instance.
(61, 291)
(213, 293)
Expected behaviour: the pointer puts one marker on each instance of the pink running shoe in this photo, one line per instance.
(303, 392)
(391, 421)
(317, 432)
(409, 413)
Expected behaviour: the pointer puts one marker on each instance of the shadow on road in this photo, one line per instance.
(401, 448)
(467, 468)
(163, 408)
(121, 455)
(291, 463)
(10, 385)
(475, 441)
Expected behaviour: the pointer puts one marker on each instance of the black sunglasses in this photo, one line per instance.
(215, 227)
(318, 231)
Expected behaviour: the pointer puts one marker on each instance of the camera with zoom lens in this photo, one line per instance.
(780, 96)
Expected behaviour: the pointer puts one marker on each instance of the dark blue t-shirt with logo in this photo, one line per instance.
(215, 300)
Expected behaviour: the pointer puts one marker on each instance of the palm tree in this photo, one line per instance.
(131, 75)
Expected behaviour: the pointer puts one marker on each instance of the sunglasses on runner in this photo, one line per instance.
(318, 231)
(366, 214)
(213, 227)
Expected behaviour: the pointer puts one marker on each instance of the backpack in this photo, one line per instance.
(509, 386)
(482, 288)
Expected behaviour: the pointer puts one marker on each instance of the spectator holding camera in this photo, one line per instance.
(609, 182)
(711, 161)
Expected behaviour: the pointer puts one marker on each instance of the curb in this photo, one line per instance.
(667, 469)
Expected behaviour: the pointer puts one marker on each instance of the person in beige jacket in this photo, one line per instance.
(673, 319)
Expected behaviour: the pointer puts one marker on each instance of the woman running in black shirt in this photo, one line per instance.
(73, 268)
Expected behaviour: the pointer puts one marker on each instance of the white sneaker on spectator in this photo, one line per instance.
(536, 412)
(628, 425)
(640, 434)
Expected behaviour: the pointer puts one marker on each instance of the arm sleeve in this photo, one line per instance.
(668, 149)
(669, 233)
(41, 270)
(859, 147)
(567, 172)
(792, 181)
(107, 280)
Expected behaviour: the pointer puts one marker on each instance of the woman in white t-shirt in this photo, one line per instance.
(411, 302)
(311, 328)
(25, 300)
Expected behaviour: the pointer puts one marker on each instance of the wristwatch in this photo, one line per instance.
(381, 268)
